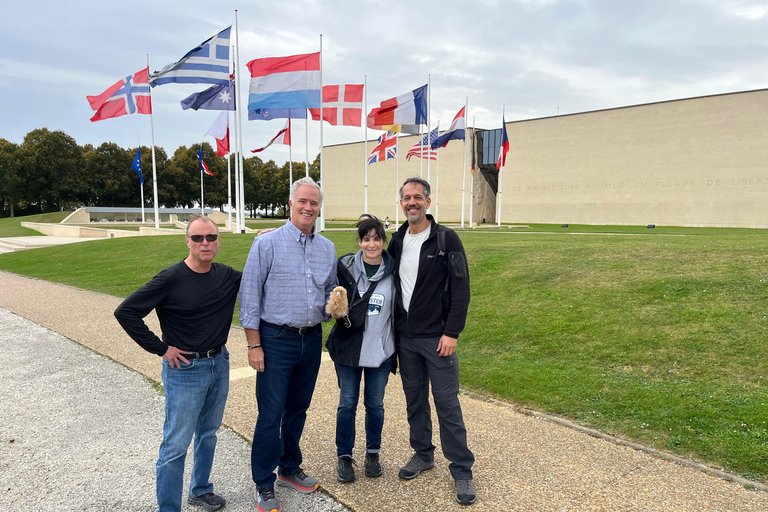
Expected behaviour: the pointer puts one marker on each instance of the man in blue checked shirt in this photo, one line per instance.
(287, 280)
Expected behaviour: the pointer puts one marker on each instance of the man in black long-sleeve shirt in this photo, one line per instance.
(194, 300)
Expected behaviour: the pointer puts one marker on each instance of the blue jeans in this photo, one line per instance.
(195, 396)
(283, 392)
(349, 385)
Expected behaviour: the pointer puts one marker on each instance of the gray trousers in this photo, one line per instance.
(419, 366)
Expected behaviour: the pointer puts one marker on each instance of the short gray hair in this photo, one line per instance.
(306, 180)
(421, 181)
(197, 216)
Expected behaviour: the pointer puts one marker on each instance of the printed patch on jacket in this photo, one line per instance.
(375, 304)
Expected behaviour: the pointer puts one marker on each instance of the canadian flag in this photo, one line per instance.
(342, 105)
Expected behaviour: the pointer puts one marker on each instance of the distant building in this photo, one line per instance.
(691, 162)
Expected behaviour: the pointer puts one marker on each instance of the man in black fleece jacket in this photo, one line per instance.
(432, 280)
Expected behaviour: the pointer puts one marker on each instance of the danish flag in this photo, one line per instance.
(342, 105)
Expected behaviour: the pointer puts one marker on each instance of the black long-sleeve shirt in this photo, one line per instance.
(194, 309)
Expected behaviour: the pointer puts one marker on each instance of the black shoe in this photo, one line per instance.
(372, 466)
(415, 466)
(346, 473)
(465, 492)
(209, 501)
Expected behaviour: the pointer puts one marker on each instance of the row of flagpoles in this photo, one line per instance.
(284, 87)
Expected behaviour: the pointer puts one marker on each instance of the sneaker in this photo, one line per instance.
(415, 466)
(346, 473)
(299, 481)
(266, 501)
(209, 501)
(372, 466)
(465, 492)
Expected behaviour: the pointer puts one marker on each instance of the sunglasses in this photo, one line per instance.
(199, 238)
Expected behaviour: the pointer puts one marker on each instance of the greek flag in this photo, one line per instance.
(207, 63)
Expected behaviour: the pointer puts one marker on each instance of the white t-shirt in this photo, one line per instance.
(409, 263)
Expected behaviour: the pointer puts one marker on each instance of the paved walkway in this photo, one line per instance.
(524, 462)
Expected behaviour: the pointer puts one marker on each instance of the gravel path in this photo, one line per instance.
(72, 415)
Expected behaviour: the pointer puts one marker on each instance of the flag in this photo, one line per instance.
(342, 105)
(130, 95)
(455, 131)
(504, 149)
(207, 63)
(219, 130)
(136, 165)
(284, 135)
(203, 167)
(285, 82)
(421, 149)
(402, 114)
(267, 114)
(216, 97)
(386, 149)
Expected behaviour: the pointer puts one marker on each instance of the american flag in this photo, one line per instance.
(386, 149)
(422, 148)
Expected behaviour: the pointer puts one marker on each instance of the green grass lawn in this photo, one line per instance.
(653, 335)
(11, 226)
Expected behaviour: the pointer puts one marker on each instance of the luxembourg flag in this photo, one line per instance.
(504, 149)
(454, 132)
(285, 82)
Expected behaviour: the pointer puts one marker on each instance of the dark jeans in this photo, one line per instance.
(283, 392)
(349, 385)
(420, 365)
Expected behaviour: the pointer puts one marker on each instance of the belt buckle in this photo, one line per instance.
(304, 330)
(210, 353)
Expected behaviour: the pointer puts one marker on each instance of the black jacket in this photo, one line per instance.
(441, 294)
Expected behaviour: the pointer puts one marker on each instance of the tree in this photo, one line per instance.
(11, 180)
(113, 182)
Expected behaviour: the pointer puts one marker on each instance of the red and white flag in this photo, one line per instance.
(128, 96)
(219, 130)
(342, 105)
(282, 137)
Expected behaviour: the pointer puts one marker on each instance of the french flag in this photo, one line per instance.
(285, 82)
(504, 149)
(454, 132)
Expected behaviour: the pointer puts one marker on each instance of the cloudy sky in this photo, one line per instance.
(537, 57)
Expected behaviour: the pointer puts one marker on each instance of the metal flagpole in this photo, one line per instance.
(437, 173)
(429, 128)
(241, 192)
(290, 157)
(464, 172)
(397, 181)
(202, 203)
(236, 228)
(322, 185)
(472, 177)
(154, 166)
(365, 138)
(229, 192)
(141, 183)
(501, 169)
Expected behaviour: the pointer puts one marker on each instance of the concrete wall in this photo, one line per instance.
(693, 162)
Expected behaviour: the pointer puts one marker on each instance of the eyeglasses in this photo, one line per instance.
(199, 238)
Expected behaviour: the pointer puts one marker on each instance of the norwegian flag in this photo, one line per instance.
(128, 96)
(386, 149)
(342, 105)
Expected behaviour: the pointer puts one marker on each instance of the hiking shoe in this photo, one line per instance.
(344, 469)
(415, 466)
(372, 466)
(465, 492)
(299, 481)
(266, 501)
(209, 501)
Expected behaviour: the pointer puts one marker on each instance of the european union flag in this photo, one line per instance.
(136, 165)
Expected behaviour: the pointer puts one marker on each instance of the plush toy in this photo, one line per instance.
(337, 303)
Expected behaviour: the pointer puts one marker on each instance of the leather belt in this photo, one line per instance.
(301, 330)
(199, 355)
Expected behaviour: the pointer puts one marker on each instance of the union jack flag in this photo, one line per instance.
(386, 149)
(422, 149)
